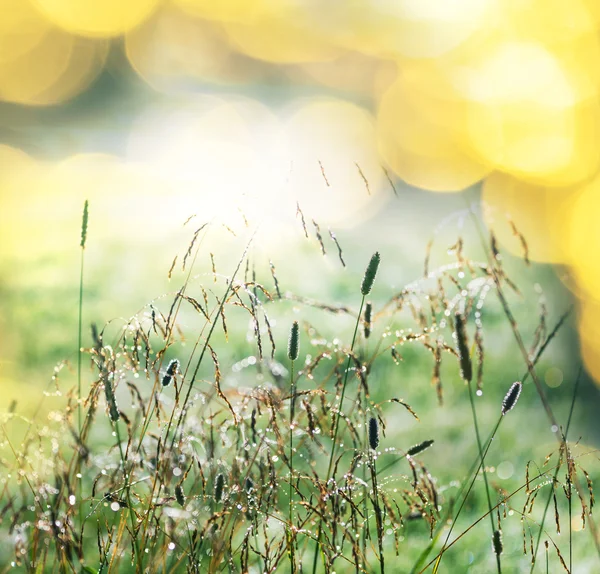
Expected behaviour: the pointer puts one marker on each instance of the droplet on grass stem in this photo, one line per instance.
(370, 272)
(466, 369)
(373, 433)
(511, 398)
(294, 342)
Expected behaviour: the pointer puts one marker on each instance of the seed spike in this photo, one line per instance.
(368, 319)
(219, 484)
(511, 398)
(84, 223)
(418, 448)
(373, 433)
(466, 369)
(294, 342)
(497, 542)
(370, 273)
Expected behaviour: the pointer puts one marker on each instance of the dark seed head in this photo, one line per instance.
(294, 342)
(511, 398)
(466, 370)
(172, 369)
(414, 450)
(113, 411)
(370, 272)
(179, 495)
(368, 319)
(219, 484)
(373, 433)
(249, 484)
(497, 542)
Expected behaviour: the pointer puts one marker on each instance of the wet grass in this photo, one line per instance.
(238, 424)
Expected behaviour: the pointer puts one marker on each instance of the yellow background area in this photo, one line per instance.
(444, 96)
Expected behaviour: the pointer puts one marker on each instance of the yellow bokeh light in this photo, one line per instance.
(536, 212)
(588, 323)
(404, 28)
(25, 78)
(285, 37)
(525, 117)
(171, 49)
(230, 10)
(582, 238)
(57, 68)
(95, 18)
(421, 150)
(21, 28)
(86, 61)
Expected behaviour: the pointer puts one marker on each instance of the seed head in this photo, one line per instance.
(179, 495)
(113, 411)
(172, 370)
(84, 224)
(373, 433)
(497, 542)
(466, 370)
(219, 484)
(414, 450)
(370, 272)
(294, 342)
(511, 398)
(368, 318)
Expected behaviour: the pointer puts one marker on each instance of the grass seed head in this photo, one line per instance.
(373, 433)
(497, 542)
(179, 495)
(219, 484)
(511, 398)
(370, 272)
(113, 411)
(172, 369)
(294, 342)
(368, 319)
(418, 448)
(466, 369)
(84, 224)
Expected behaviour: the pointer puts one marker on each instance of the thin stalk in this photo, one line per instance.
(377, 509)
(336, 426)
(79, 340)
(464, 500)
(472, 526)
(84, 226)
(292, 412)
(425, 553)
(538, 385)
(549, 499)
(482, 457)
(127, 490)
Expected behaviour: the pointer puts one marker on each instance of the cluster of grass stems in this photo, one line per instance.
(156, 464)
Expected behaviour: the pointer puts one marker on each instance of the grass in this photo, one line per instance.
(207, 444)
